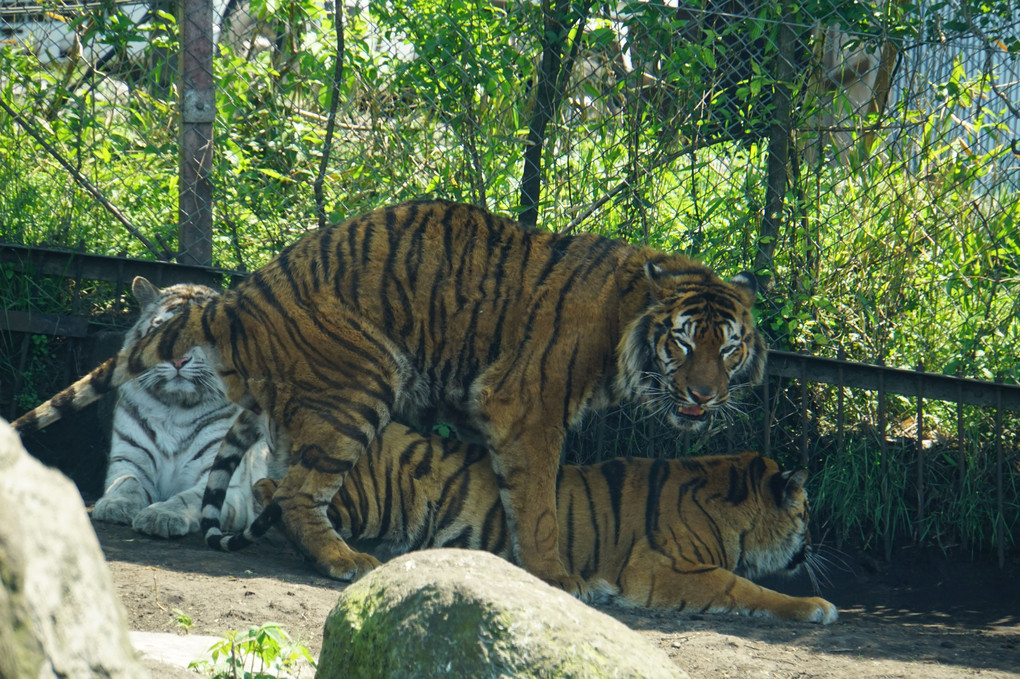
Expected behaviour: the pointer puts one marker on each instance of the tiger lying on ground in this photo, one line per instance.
(658, 533)
(432, 308)
(167, 428)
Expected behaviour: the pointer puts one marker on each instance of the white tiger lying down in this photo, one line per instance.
(167, 427)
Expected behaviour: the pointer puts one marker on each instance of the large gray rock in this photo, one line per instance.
(59, 616)
(458, 613)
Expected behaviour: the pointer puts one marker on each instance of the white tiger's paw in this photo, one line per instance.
(164, 521)
(116, 509)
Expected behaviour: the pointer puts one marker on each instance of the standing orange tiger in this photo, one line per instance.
(430, 309)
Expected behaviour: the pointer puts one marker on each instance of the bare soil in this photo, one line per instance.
(920, 616)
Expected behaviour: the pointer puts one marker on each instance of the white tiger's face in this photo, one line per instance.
(189, 379)
(184, 381)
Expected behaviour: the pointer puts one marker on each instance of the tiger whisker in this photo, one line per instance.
(733, 407)
(829, 557)
(813, 577)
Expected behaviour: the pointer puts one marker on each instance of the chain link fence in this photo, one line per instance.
(863, 158)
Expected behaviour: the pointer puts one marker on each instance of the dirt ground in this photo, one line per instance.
(918, 617)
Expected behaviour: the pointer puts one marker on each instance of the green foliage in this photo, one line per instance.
(38, 366)
(262, 652)
(865, 493)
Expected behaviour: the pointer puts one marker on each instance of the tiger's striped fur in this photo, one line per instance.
(660, 533)
(168, 424)
(433, 307)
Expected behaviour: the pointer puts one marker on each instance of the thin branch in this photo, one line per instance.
(664, 160)
(83, 182)
(334, 99)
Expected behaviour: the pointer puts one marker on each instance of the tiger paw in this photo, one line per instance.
(347, 568)
(263, 491)
(164, 522)
(811, 609)
(572, 585)
(116, 509)
(822, 611)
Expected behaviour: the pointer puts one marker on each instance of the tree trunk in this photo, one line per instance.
(547, 99)
(779, 151)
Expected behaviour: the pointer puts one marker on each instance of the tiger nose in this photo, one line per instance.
(702, 395)
(180, 362)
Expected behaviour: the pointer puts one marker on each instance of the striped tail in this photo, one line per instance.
(244, 433)
(232, 542)
(82, 393)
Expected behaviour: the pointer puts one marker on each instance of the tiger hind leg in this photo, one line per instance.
(332, 415)
(525, 455)
(330, 432)
(303, 497)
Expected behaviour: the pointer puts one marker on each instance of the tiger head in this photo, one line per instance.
(694, 342)
(160, 305)
(776, 538)
(185, 380)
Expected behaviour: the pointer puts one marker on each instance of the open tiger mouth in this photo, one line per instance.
(694, 412)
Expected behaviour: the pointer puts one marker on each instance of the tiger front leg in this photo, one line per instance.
(657, 581)
(126, 495)
(526, 460)
(322, 458)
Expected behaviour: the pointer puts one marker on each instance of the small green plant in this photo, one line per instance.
(183, 620)
(260, 653)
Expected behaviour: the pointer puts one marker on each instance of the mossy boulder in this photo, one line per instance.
(59, 616)
(458, 613)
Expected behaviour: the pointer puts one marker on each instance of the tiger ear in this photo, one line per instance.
(747, 283)
(653, 271)
(654, 274)
(785, 485)
(145, 292)
(795, 481)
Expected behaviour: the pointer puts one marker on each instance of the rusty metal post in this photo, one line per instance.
(197, 108)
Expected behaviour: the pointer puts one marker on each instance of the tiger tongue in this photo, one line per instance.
(693, 411)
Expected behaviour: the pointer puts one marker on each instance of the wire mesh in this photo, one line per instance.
(861, 157)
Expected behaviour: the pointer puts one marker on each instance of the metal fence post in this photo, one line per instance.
(197, 107)
(1000, 464)
(961, 455)
(887, 532)
(919, 445)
